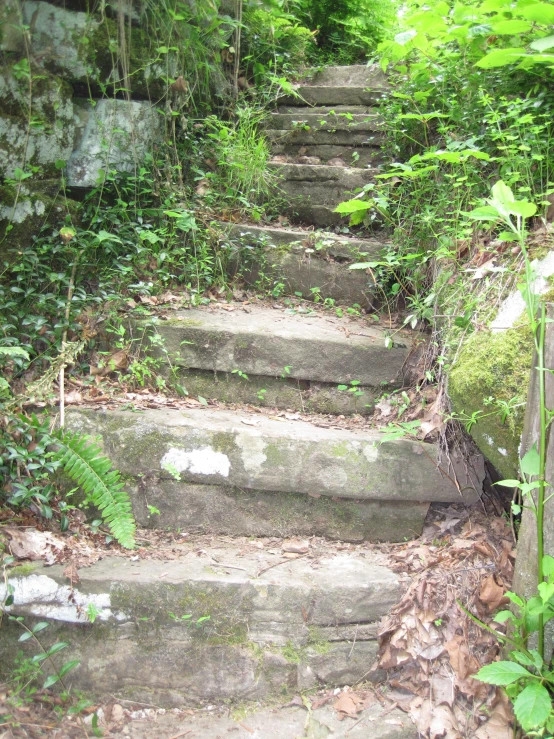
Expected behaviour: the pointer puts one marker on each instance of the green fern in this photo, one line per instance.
(85, 464)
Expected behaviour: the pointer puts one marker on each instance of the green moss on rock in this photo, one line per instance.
(494, 365)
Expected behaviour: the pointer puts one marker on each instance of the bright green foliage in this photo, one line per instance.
(490, 34)
(85, 464)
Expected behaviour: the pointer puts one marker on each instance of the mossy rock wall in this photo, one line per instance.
(498, 366)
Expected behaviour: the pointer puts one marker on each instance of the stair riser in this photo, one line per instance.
(216, 447)
(352, 156)
(351, 76)
(213, 509)
(320, 138)
(334, 96)
(324, 122)
(318, 193)
(271, 392)
(344, 177)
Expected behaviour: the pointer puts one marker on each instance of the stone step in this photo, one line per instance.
(316, 190)
(333, 154)
(354, 75)
(328, 95)
(280, 723)
(270, 631)
(321, 184)
(260, 340)
(272, 454)
(324, 136)
(312, 263)
(323, 110)
(332, 121)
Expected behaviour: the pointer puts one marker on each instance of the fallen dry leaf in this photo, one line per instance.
(348, 704)
(35, 545)
(491, 593)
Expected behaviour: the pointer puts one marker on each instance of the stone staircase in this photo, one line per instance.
(276, 626)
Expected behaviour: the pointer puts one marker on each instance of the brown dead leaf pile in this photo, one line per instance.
(429, 647)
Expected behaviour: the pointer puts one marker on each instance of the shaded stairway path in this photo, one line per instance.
(311, 621)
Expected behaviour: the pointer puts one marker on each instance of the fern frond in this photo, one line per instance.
(86, 465)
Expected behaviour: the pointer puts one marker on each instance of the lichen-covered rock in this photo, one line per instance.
(111, 135)
(498, 366)
(24, 211)
(96, 51)
(11, 38)
(35, 132)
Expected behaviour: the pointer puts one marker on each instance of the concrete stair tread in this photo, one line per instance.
(281, 723)
(324, 122)
(259, 452)
(323, 173)
(277, 629)
(346, 247)
(328, 95)
(322, 110)
(262, 340)
(353, 75)
(322, 136)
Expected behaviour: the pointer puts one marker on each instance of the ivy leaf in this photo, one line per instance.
(502, 673)
(532, 706)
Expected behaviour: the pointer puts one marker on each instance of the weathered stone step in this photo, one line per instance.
(324, 136)
(316, 190)
(332, 121)
(270, 631)
(354, 75)
(281, 723)
(324, 110)
(260, 340)
(343, 155)
(334, 95)
(257, 452)
(312, 263)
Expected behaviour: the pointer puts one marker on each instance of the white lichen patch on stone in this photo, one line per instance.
(371, 452)
(332, 476)
(503, 452)
(513, 307)
(42, 597)
(252, 448)
(203, 461)
(488, 439)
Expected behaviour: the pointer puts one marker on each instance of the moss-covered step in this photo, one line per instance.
(314, 264)
(263, 341)
(256, 452)
(285, 393)
(216, 509)
(314, 119)
(350, 85)
(214, 625)
(314, 190)
(344, 154)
